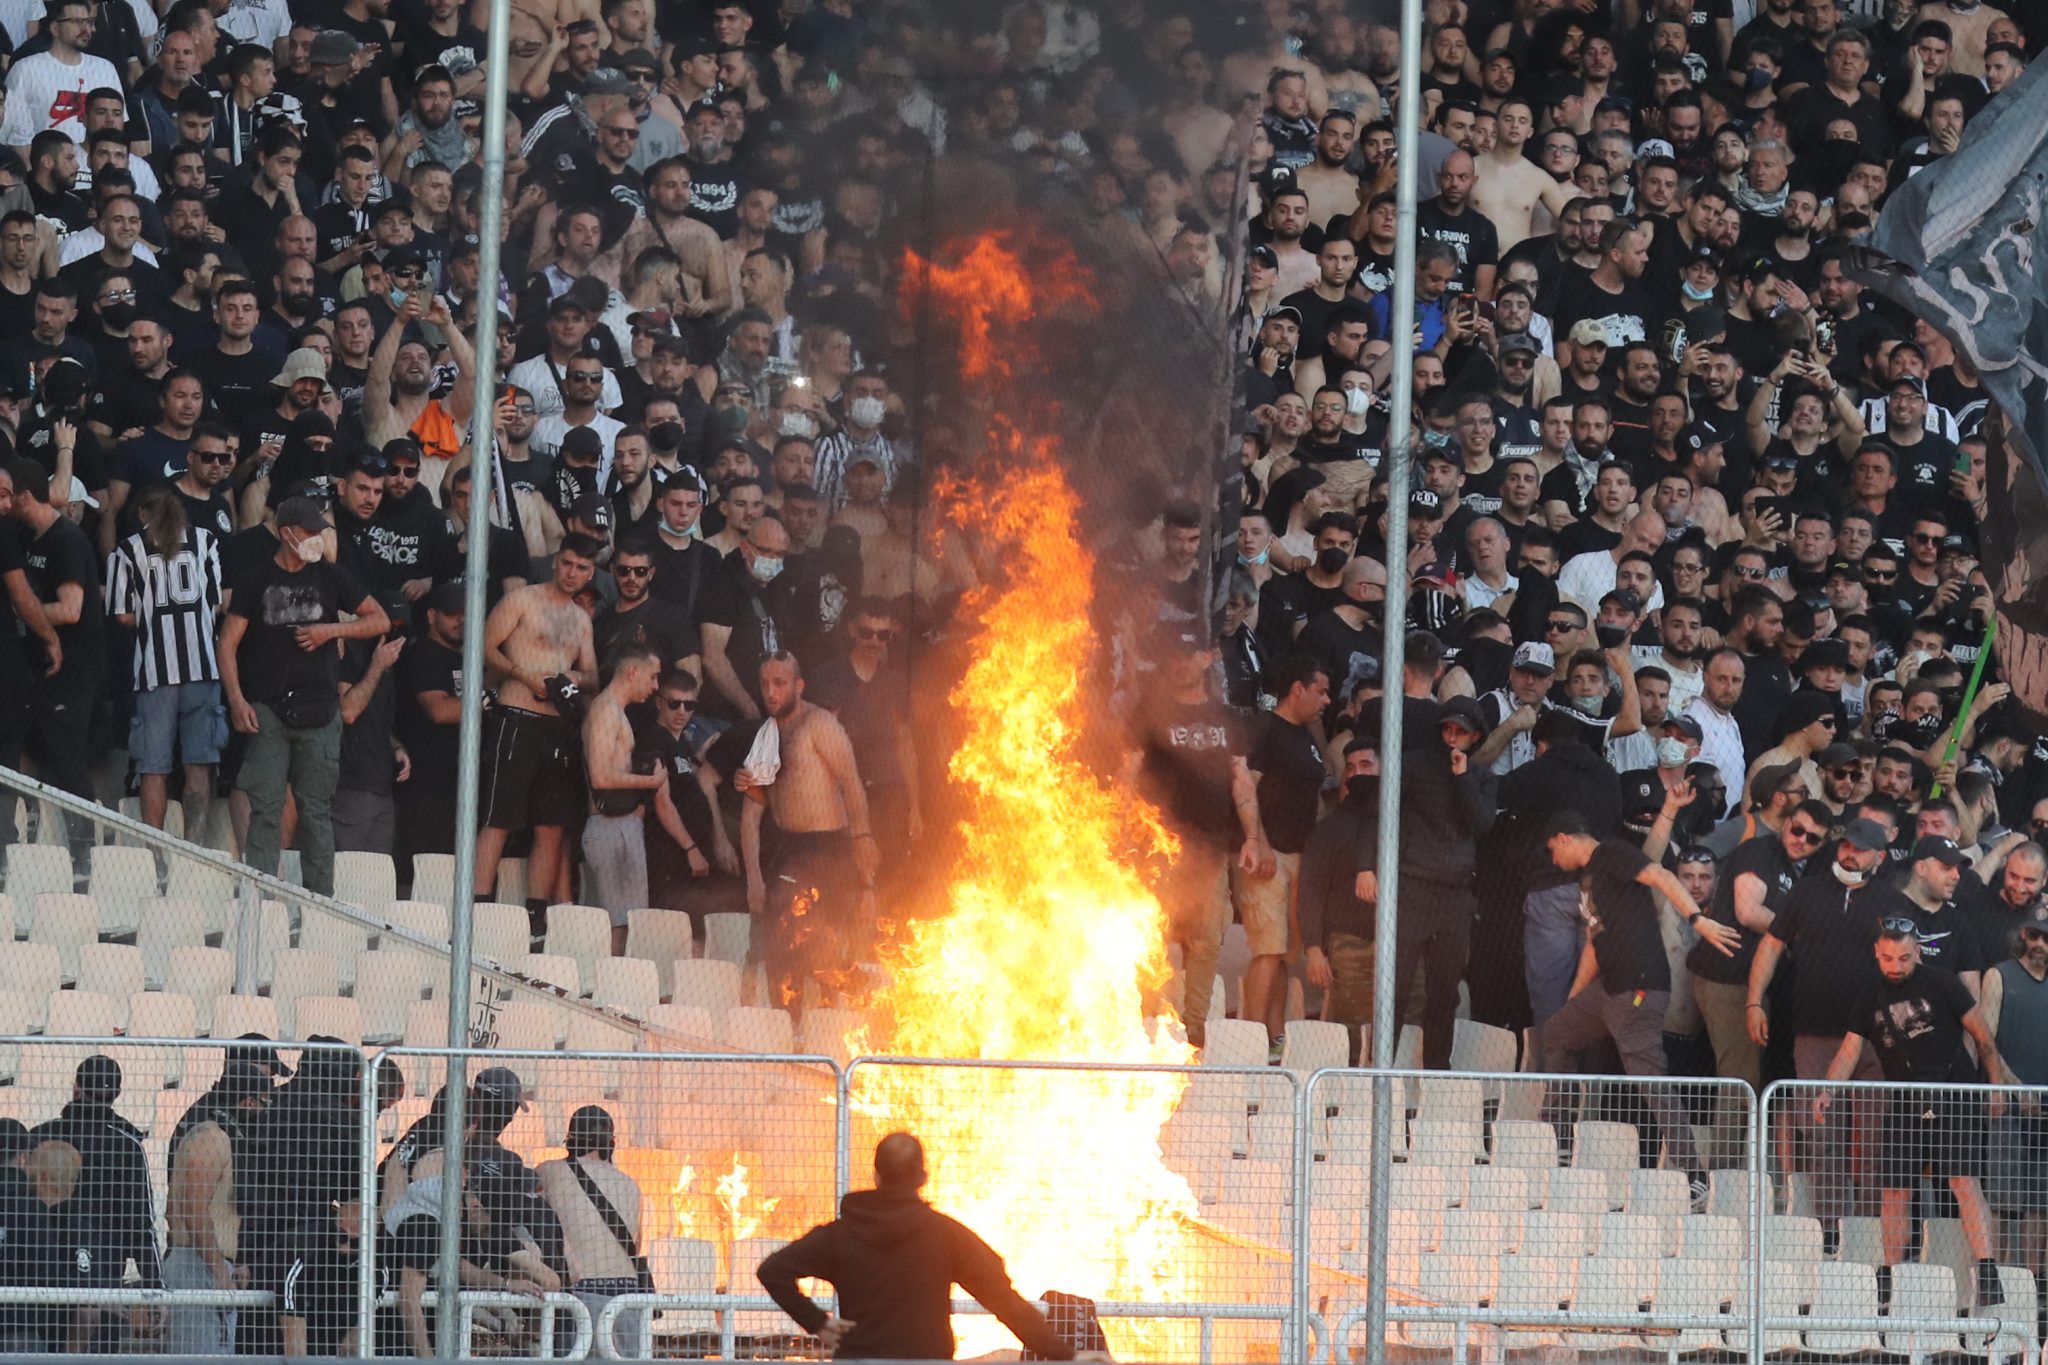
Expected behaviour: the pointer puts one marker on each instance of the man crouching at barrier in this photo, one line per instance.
(1916, 1018)
(894, 1261)
(599, 1206)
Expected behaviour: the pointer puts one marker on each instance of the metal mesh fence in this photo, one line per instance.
(179, 1196)
(1903, 1220)
(1528, 1212)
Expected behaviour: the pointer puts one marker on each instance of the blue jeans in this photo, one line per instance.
(1552, 937)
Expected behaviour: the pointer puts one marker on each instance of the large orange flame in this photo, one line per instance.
(1050, 944)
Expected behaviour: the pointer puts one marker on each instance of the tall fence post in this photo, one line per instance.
(1759, 1207)
(248, 934)
(366, 1247)
(1304, 1167)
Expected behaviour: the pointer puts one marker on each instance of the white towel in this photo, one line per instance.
(764, 756)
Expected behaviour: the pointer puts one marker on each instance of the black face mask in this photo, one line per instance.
(1332, 560)
(1609, 636)
(117, 315)
(665, 435)
(1360, 787)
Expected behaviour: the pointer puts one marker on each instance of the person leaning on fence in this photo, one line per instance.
(1623, 983)
(213, 1144)
(1917, 1019)
(894, 1260)
(116, 1215)
(281, 675)
(599, 1208)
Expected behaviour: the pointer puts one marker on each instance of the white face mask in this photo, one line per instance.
(1358, 402)
(1589, 706)
(766, 567)
(867, 412)
(798, 424)
(1847, 876)
(1670, 753)
(311, 550)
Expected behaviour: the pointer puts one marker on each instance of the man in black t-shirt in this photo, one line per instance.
(283, 686)
(1450, 218)
(674, 874)
(1752, 886)
(642, 617)
(1289, 771)
(428, 720)
(1916, 1019)
(63, 571)
(1828, 920)
(1624, 980)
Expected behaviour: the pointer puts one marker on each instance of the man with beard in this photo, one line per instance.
(739, 620)
(397, 399)
(614, 846)
(1331, 189)
(409, 531)
(1611, 295)
(640, 617)
(2013, 1003)
(633, 489)
(295, 283)
(1451, 219)
(127, 397)
(825, 853)
(428, 131)
(716, 181)
(1285, 220)
(158, 454)
(297, 388)
(1327, 442)
(707, 284)
(569, 323)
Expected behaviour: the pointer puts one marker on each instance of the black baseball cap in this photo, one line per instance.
(1946, 851)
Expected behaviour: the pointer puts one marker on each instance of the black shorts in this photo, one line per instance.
(530, 770)
(1932, 1136)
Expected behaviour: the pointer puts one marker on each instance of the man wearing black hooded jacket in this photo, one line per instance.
(894, 1260)
(118, 1218)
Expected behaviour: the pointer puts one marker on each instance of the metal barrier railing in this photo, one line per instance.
(251, 940)
(1557, 1197)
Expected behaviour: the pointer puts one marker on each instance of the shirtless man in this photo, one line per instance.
(805, 905)
(614, 843)
(534, 637)
(707, 282)
(1510, 185)
(201, 1215)
(598, 1240)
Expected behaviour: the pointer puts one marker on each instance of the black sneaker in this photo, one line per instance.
(1702, 1190)
(1990, 1293)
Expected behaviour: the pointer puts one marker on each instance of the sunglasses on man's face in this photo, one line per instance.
(405, 471)
(865, 633)
(1561, 623)
(586, 376)
(1806, 835)
(633, 570)
(680, 703)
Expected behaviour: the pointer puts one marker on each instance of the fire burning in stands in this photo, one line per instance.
(1050, 946)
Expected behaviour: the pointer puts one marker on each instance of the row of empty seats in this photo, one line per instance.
(1615, 1285)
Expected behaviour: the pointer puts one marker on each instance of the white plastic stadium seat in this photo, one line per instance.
(209, 887)
(236, 1015)
(711, 984)
(303, 971)
(423, 918)
(326, 1016)
(167, 924)
(12, 926)
(387, 986)
(1235, 1042)
(80, 1014)
(499, 932)
(1841, 1291)
(202, 974)
(759, 1028)
(122, 878)
(365, 880)
(37, 870)
(20, 1012)
(161, 1014)
(660, 937)
(338, 937)
(1922, 1291)
(1482, 1047)
(583, 932)
(67, 922)
(555, 969)
(511, 889)
(114, 970)
(726, 936)
(1311, 1045)
(692, 1022)
(628, 984)
(433, 878)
